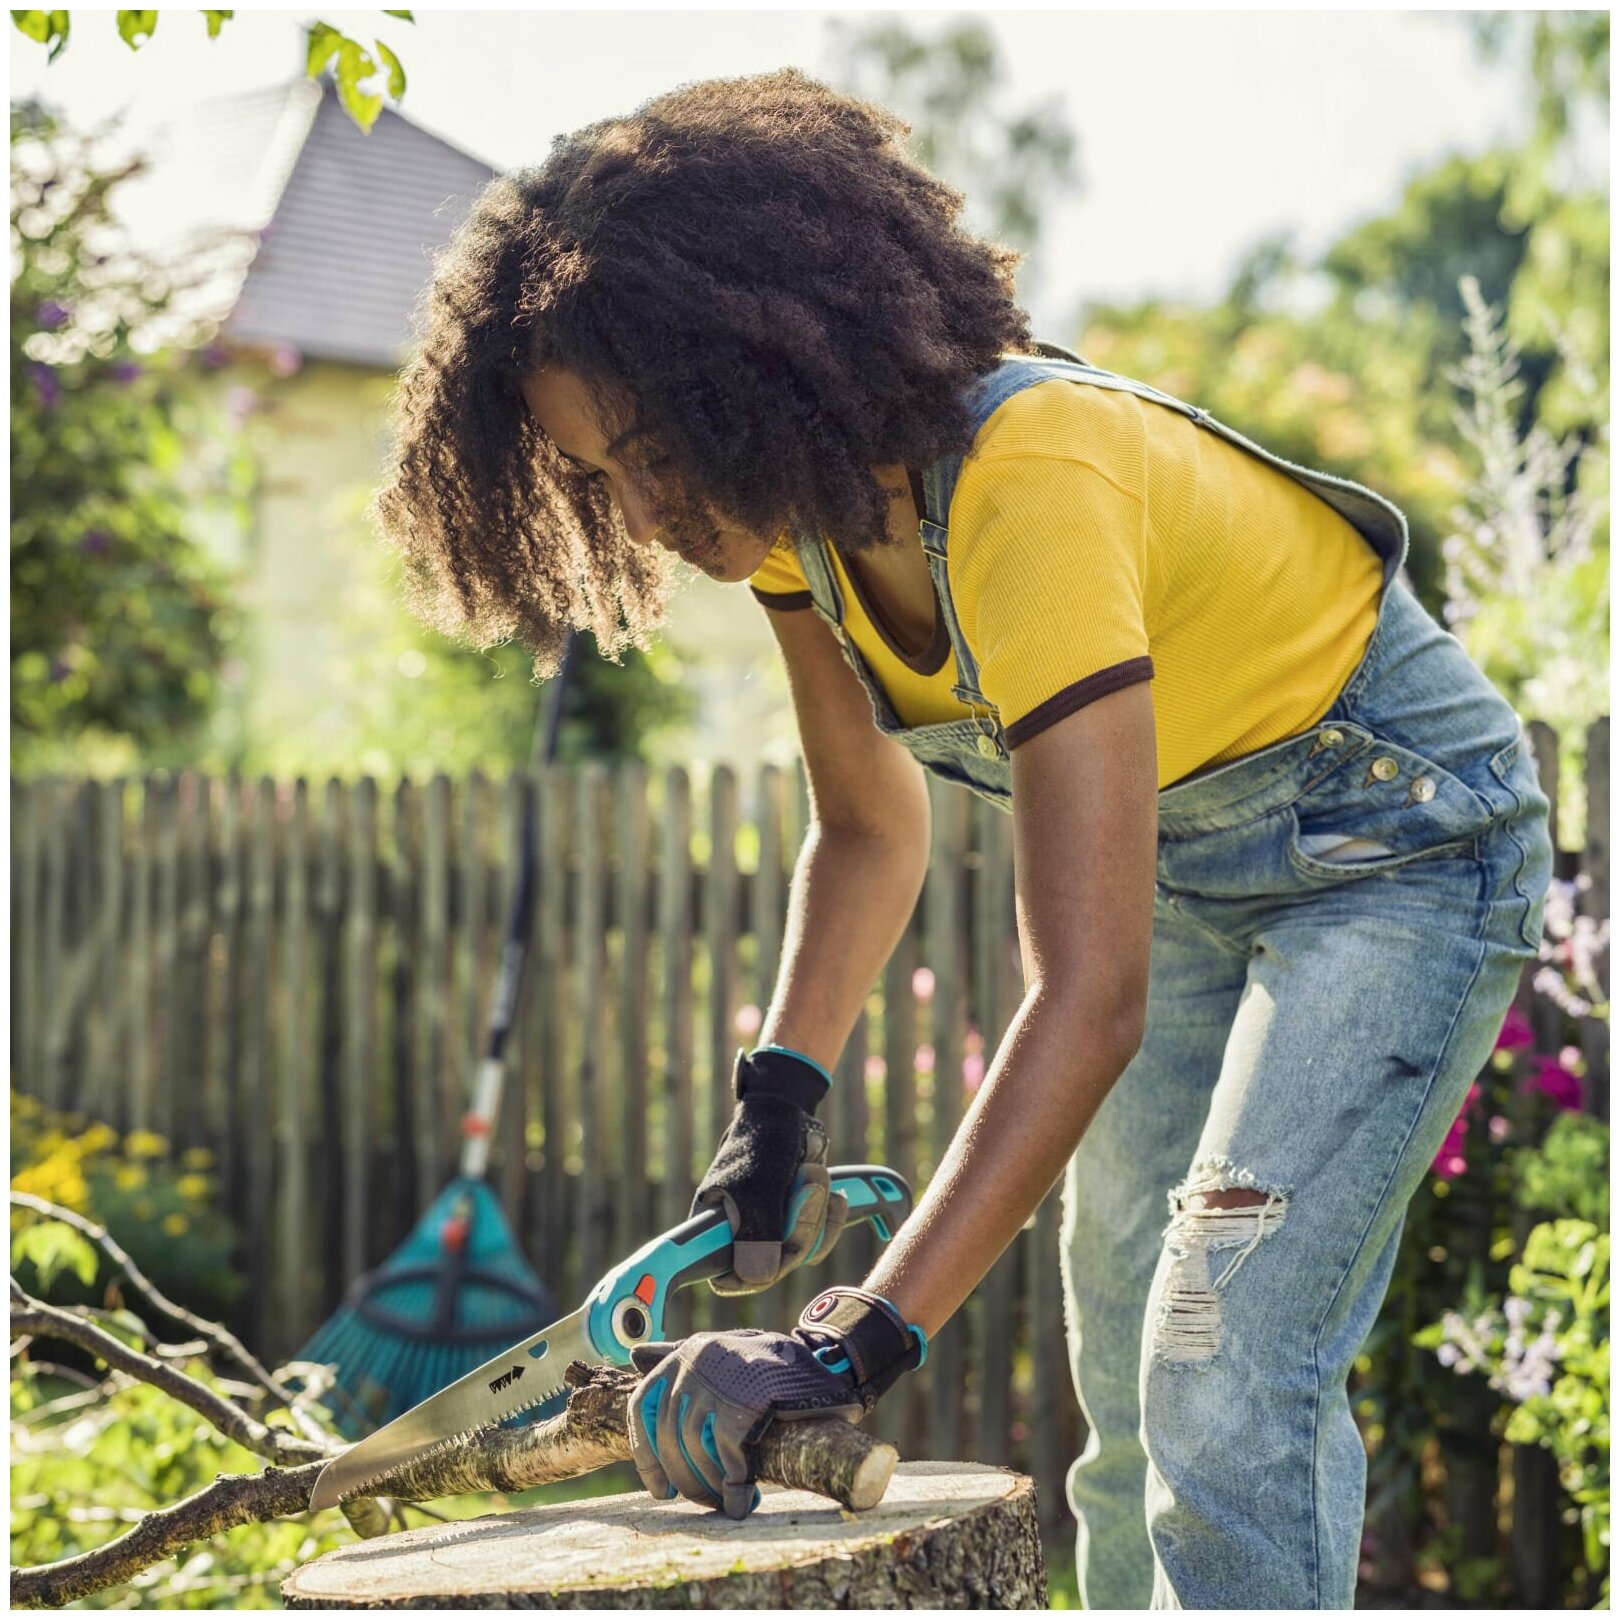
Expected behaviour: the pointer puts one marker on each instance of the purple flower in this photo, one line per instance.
(52, 315)
(59, 671)
(46, 387)
(1554, 1082)
(93, 542)
(125, 371)
(1516, 1031)
(213, 357)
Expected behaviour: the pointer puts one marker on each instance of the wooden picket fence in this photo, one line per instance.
(298, 980)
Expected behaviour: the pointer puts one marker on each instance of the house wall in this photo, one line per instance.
(315, 593)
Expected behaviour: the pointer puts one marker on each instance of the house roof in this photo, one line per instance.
(303, 231)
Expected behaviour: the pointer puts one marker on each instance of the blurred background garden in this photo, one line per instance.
(262, 821)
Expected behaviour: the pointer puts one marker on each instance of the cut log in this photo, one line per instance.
(945, 1536)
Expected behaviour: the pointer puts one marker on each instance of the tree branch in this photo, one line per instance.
(36, 1317)
(231, 1500)
(213, 1332)
(826, 1455)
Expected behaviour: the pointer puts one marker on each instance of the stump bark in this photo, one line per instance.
(945, 1536)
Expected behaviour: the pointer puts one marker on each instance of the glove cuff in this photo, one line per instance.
(854, 1331)
(778, 1073)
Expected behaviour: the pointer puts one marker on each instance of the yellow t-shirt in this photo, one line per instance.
(1098, 539)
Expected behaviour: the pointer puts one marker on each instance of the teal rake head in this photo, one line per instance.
(452, 1295)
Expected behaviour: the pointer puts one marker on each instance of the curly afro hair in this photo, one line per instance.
(755, 284)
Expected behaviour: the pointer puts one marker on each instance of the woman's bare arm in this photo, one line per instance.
(1084, 842)
(858, 876)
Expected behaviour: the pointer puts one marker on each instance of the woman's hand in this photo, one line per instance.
(772, 1141)
(704, 1403)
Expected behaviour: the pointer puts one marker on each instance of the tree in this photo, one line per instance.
(1009, 167)
(120, 618)
(362, 76)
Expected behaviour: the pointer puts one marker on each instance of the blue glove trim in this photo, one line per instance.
(680, 1440)
(648, 1418)
(842, 1363)
(922, 1338)
(805, 1056)
(706, 1436)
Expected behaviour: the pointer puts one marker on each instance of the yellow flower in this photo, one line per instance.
(128, 1177)
(57, 1180)
(97, 1139)
(146, 1145)
(197, 1159)
(197, 1187)
(174, 1225)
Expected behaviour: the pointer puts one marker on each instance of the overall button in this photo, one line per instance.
(1331, 738)
(987, 746)
(1385, 769)
(1422, 790)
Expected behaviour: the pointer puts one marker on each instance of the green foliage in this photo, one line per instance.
(1526, 572)
(120, 618)
(1556, 1385)
(51, 1246)
(82, 1473)
(353, 67)
(162, 1210)
(1567, 1172)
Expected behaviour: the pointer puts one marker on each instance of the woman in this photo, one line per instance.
(1279, 847)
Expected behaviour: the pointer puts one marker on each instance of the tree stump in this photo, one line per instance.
(945, 1536)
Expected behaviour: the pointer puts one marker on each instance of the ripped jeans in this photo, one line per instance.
(1340, 923)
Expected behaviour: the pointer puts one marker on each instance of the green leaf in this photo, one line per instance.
(35, 24)
(361, 105)
(396, 73)
(354, 67)
(136, 27)
(216, 21)
(404, 16)
(59, 24)
(325, 42)
(52, 1245)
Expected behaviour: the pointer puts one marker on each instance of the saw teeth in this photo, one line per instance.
(439, 1447)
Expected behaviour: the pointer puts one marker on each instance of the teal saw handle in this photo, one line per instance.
(627, 1306)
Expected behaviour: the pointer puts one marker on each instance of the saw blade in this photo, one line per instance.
(524, 1375)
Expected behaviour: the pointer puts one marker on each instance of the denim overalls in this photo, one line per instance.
(1313, 1025)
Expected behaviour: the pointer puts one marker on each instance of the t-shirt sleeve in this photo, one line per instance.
(779, 581)
(1048, 569)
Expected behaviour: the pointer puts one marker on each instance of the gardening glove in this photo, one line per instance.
(703, 1405)
(773, 1145)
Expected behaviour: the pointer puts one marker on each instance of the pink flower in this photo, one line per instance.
(1449, 1161)
(922, 984)
(1515, 1033)
(1554, 1082)
(973, 1071)
(285, 360)
(924, 1060)
(876, 1068)
(1500, 1129)
(748, 1020)
(973, 1041)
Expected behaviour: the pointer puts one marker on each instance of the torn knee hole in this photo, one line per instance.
(1213, 1230)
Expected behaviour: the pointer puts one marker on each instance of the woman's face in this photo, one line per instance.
(560, 405)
